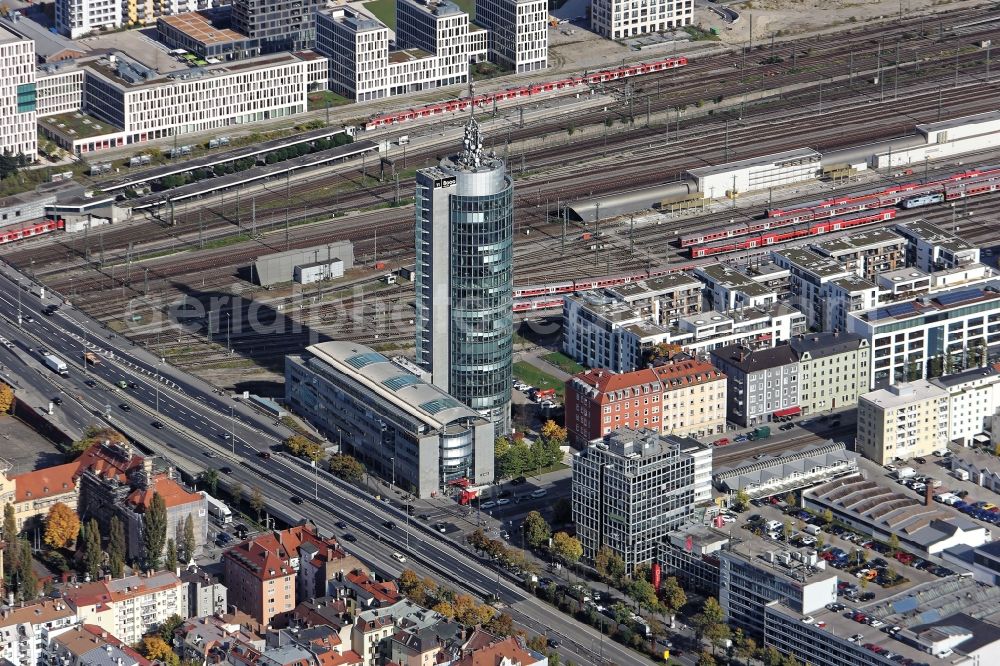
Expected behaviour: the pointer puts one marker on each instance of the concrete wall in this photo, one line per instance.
(276, 268)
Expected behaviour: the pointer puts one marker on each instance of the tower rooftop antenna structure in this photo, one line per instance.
(471, 156)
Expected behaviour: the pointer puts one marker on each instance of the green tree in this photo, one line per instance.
(536, 530)
(236, 493)
(257, 500)
(116, 547)
(566, 548)
(155, 531)
(93, 554)
(621, 612)
(27, 580)
(210, 479)
(346, 467)
(189, 543)
(894, 544)
(169, 626)
(790, 499)
(673, 597)
(786, 529)
(744, 647)
(643, 593)
(741, 501)
(827, 516)
(10, 536)
(171, 561)
(772, 657)
(710, 622)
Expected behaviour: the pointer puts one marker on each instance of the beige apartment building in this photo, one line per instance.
(130, 607)
(902, 421)
(833, 370)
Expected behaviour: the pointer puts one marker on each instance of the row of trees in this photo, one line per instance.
(17, 570)
(340, 464)
(516, 457)
(11, 163)
(459, 607)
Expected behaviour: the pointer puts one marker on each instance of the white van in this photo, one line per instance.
(813, 530)
(772, 526)
(960, 474)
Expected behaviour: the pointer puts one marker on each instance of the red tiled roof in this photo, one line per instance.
(173, 493)
(109, 462)
(493, 654)
(690, 372)
(385, 592)
(261, 556)
(47, 482)
(349, 658)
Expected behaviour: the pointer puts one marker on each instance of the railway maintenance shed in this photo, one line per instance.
(757, 173)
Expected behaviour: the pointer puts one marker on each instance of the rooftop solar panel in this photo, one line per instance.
(959, 296)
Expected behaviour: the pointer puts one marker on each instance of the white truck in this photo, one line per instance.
(218, 510)
(905, 473)
(55, 365)
(960, 474)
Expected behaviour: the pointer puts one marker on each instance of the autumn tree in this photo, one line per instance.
(744, 647)
(346, 467)
(303, 447)
(444, 608)
(6, 398)
(188, 541)
(827, 516)
(93, 554)
(609, 565)
(502, 625)
(61, 526)
(536, 530)
(566, 548)
(155, 531)
(116, 547)
(236, 492)
(741, 500)
(705, 659)
(894, 544)
(155, 648)
(643, 593)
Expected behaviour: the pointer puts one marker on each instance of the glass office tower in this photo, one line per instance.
(464, 278)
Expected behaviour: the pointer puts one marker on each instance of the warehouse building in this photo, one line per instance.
(400, 427)
(281, 267)
(757, 173)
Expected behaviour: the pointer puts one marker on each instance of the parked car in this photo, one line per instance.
(722, 441)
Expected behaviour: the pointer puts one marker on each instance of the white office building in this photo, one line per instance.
(18, 132)
(518, 32)
(60, 89)
(618, 19)
(77, 18)
(931, 248)
(148, 105)
(931, 335)
(357, 47)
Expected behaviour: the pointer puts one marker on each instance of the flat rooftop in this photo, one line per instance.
(986, 117)
(808, 260)
(129, 73)
(79, 125)
(775, 159)
(904, 275)
(198, 26)
(932, 303)
(408, 55)
(935, 235)
(652, 286)
(854, 283)
(436, 7)
(872, 238)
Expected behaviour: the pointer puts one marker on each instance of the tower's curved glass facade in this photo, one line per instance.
(464, 279)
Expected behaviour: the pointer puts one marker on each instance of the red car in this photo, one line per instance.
(904, 558)
(721, 442)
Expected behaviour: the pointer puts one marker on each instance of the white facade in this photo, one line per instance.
(519, 32)
(245, 91)
(441, 29)
(902, 421)
(357, 48)
(973, 397)
(618, 19)
(930, 335)
(60, 90)
(77, 18)
(932, 248)
(18, 132)
(25, 632)
(129, 607)
(757, 173)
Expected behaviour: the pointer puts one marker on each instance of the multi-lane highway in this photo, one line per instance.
(197, 427)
